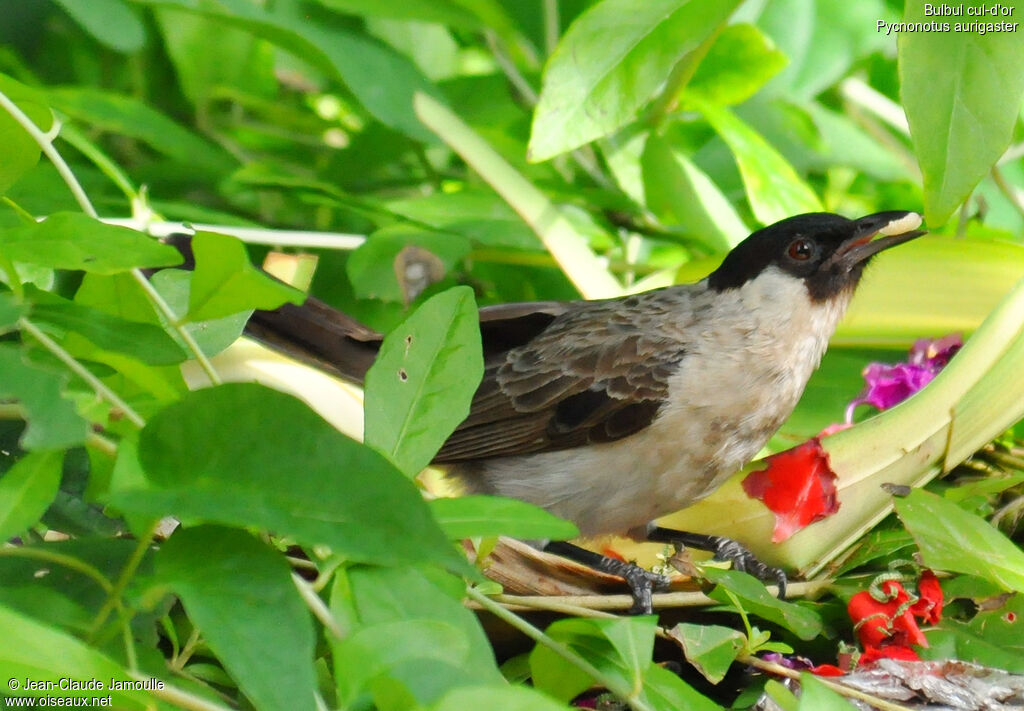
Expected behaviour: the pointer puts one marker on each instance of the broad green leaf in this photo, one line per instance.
(245, 455)
(609, 64)
(783, 697)
(773, 188)
(756, 600)
(739, 62)
(475, 213)
(421, 384)
(444, 12)
(620, 648)
(52, 421)
(10, 311)
(111, 22)
(710, 648)
(427, 657)
(380, 78)
(27, 489)
(68, 240)
(20, 150)
(953, 539)
(469, 516)
(208, 56)
(37, 651)
(127, 116)
(145, 341)
(225, 281)
(213, 335)
(239, 592)
(815, 696)
(506, 698)
(962, 94)
(372, 266)
(379, 595)
(992, 637)
(681, 194)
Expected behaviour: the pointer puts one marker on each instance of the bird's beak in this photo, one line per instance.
(891, 229)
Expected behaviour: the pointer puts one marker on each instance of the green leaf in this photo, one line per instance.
(681, 194)
(801, 621)
(710, 648)
(444, 12)
(242, 454)
(371, 266)
(208, 57)
(145, 341)
(53, 422)
(962, 94)
(380, 78)
(992, 637)
(239, 592)
(773, 188)
(20, 150)
(69, 240)
(27, 489)
(10, 311)
(427, 657)
(620, 648)
(665, 691)
(380, 595)
(225, 281)
(953, 539)
(610, 62)
(506, 698)
(111, 22)
(469, 516)
(127, 116)
(815, 696)
(213, 335)
(739, 63)
(36, 651)
(422, 382)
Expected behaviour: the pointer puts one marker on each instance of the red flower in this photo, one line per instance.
(798, 486)
(827, 670)
(929, 606)
(885, 624)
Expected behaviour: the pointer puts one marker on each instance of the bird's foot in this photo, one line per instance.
(642, 583)
(725, 549)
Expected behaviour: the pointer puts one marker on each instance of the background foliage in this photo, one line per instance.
(514, 150)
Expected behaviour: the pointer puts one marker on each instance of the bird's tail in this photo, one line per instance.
(318, 335)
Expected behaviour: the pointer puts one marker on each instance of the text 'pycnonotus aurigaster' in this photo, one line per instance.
(612, 413)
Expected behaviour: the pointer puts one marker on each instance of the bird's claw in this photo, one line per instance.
(642, 583)
(746, 562)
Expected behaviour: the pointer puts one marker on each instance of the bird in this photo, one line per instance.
(611, 413)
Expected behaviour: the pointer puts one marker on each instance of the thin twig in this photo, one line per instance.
(1016, 197)
(179, 697)
(317, 606)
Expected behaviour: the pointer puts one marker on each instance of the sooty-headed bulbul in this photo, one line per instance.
(612, 413)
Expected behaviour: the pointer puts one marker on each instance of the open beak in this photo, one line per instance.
(890, 228)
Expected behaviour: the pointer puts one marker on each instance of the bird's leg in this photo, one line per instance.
(724, 549)
(642, 583)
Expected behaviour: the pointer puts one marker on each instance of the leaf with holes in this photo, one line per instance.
(420, 387)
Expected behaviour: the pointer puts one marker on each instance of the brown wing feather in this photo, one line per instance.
(593, 375)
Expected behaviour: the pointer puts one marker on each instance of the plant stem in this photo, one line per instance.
(45, 142)
(67, 561)
(623, 692)
(180, 698)
(114, 595)
(317, 606)
(81, 371)
(552, 31)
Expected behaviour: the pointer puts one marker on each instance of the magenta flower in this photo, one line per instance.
(891, 384)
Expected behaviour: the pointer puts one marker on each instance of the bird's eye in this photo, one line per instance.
(800, 250)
